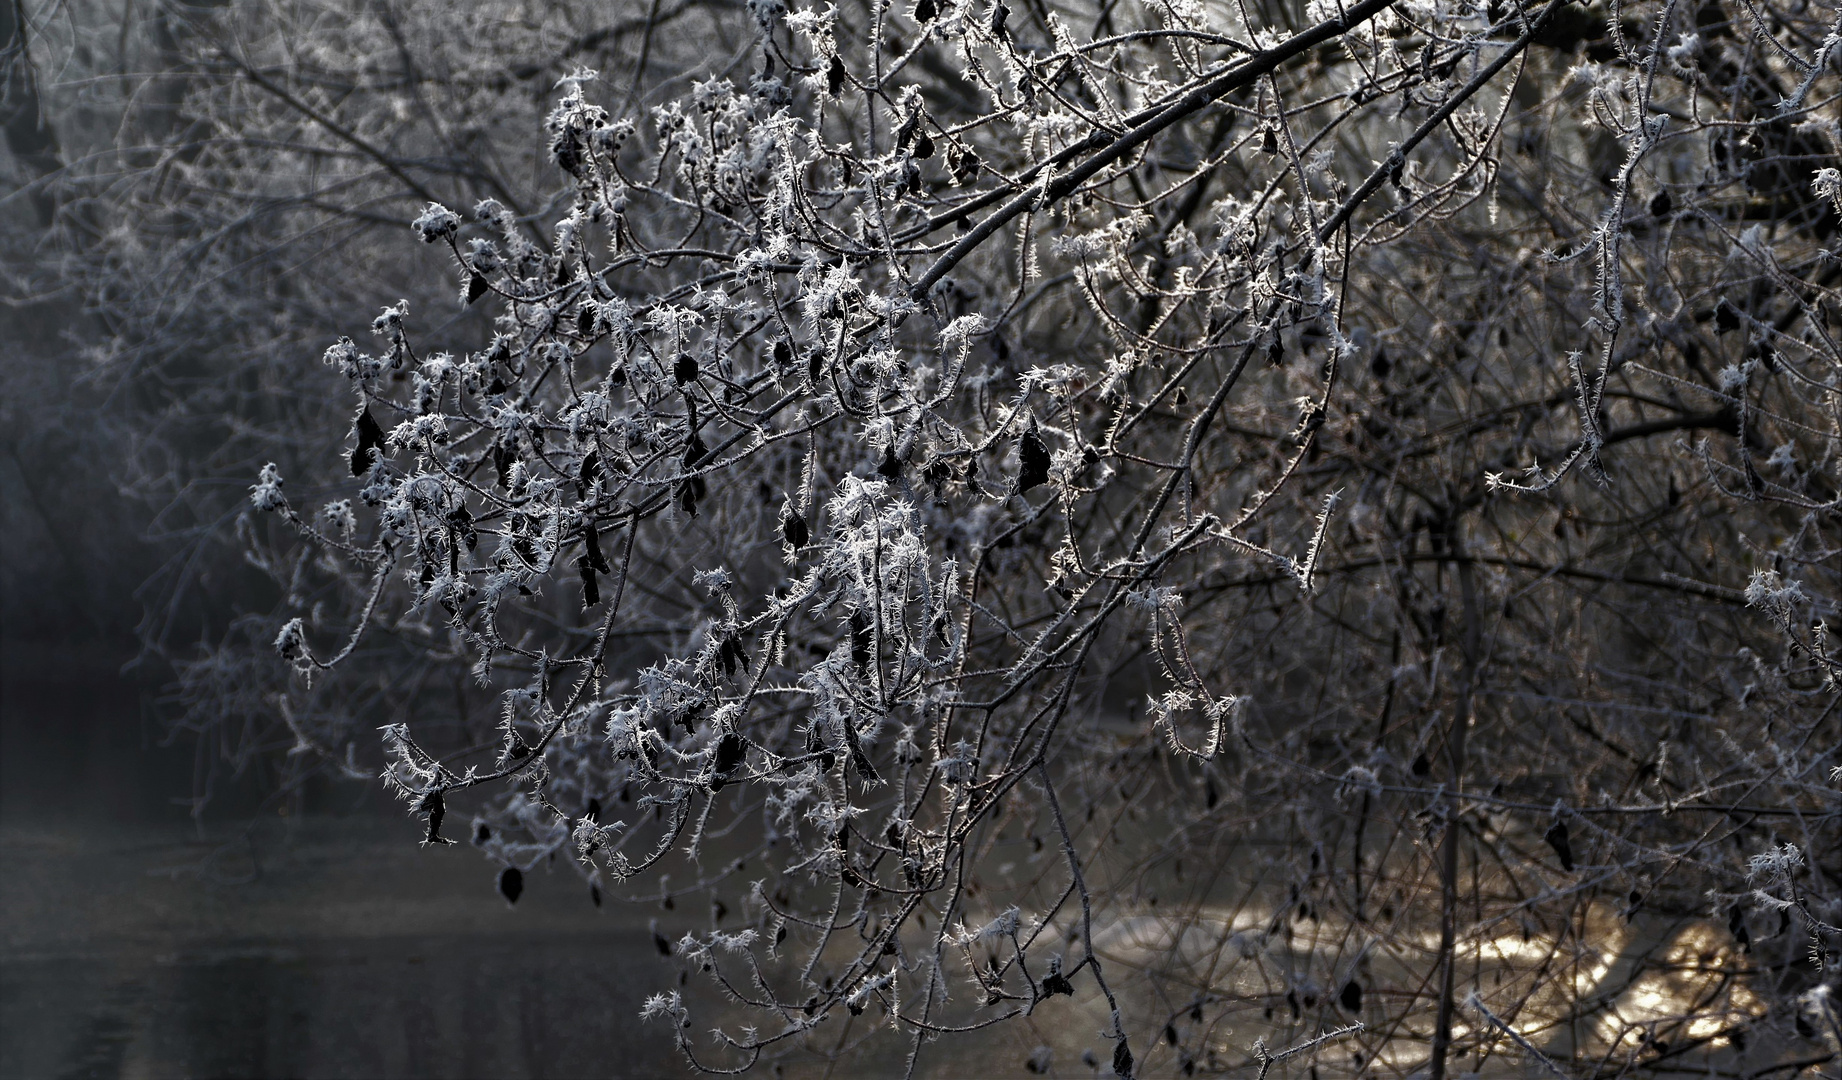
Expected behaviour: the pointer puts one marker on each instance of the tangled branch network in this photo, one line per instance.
(838, 488)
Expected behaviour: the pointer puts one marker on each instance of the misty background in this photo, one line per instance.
(284, 929)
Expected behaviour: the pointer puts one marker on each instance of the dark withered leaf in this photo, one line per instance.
(1557, 838)
(1661, 204)
(462, 523)
(793, 530)
(585, 322)
(1057, 983)
(436, 808)
(730, 655)
(687, 496)
(1351, 997)
(511, 884)
(476, 287)
(966, 171)
(1032, 460)
(861, 641)
(1122, 1059)
(587, 473)
(783, 352)
(860, 760)
(1421, 766)
(730, 749)
(661, 943)
(1726, 319)
(591, 590)
(684, 369)
(370, 441)
(593, 810)
(926, 11)
(1736, 925)
(502, 458)
(834, 76)
(890, 468)
(591, 539)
